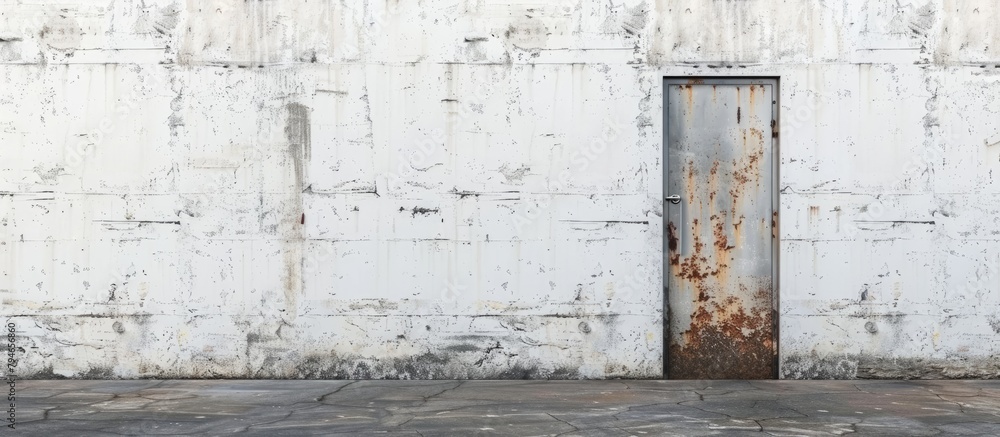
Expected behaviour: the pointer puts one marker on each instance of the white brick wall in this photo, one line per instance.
(455, 188)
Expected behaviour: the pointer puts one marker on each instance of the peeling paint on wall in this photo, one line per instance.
(448, 189)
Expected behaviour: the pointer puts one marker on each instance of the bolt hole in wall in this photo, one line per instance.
(720, 220)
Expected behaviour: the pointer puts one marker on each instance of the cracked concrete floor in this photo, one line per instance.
(522, 408)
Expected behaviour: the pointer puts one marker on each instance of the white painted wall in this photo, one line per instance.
(471, 189)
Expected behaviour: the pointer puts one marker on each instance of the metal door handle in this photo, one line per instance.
(676, 200)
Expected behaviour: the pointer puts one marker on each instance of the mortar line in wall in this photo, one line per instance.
(711, 66)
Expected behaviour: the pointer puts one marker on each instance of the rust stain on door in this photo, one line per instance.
(720, 240)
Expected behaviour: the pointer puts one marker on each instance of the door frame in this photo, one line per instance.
(775, 82)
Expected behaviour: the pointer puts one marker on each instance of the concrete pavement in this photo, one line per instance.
(522, 408)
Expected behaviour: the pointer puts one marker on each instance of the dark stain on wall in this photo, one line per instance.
(866, 366)
(298, 132)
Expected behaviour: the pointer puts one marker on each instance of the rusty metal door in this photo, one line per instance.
(720, 228)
